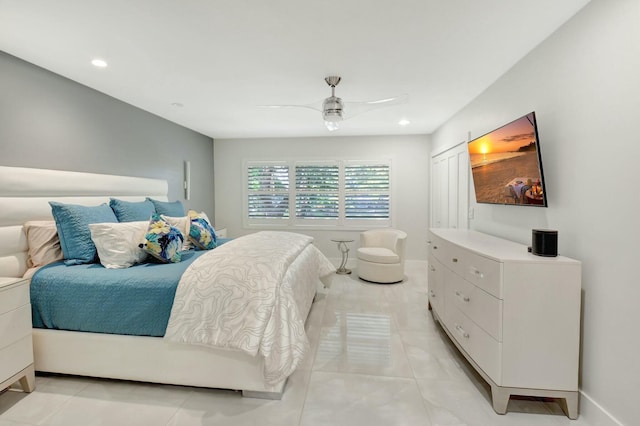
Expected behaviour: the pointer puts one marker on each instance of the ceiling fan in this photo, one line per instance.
(334, 109)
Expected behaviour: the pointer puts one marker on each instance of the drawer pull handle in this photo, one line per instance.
(432, 268)
(455, 260)
(432, 294)
(461, 331)
(462, 296)
(428, 243)
(435, 247)
(477, 273)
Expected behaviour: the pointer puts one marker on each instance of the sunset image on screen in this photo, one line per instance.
(505, 164)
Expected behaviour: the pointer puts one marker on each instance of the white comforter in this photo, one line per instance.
(241, 296)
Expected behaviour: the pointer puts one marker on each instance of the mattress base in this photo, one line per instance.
(148, 359)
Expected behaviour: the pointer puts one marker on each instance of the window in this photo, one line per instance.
(331, 193)
(268, 191)
(366, 191)
(317, 191)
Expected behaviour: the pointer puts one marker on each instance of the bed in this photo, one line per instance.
(177, 358)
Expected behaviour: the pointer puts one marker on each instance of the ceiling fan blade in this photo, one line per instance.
(351, 109)
(316, 106)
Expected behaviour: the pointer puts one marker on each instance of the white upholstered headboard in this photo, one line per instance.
(25, 195)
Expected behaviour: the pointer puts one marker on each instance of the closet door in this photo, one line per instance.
(450, 188)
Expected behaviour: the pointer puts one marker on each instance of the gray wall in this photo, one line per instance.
(583, 84)
(48, 121)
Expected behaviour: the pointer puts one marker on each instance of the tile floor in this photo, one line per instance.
(377, 358)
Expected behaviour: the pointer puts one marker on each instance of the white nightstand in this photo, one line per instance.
(221, 233)
(16, 345)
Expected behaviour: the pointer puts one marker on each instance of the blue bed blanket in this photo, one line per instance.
(91, 298)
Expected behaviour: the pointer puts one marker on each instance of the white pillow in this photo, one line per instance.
(183, 223)
(43, 241)
(118, 243)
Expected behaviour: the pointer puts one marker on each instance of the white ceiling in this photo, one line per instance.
(223, 59)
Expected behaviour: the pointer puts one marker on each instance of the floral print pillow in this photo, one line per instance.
(201, 232)
(163, 241)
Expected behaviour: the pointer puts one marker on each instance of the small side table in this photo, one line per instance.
(344, 249)
(16, 352)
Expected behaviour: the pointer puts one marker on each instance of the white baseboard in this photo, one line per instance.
(594, 414)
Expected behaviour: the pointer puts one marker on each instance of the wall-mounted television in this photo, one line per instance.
(506, 165)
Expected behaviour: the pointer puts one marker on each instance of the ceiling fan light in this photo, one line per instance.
(331, 125)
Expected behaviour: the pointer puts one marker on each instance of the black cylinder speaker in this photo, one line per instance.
(544, 242)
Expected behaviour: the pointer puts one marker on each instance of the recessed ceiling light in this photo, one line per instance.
(100, 63)
(404, 122)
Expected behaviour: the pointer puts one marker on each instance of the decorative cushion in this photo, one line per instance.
(118, 244)
(163, 241)
(183, 223)
(72, 222)
(378, 255)
(174, 208)
(44, 243)
(201, 232)
(128, 211)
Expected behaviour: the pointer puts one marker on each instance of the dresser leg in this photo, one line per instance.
(569, 405)
(28, 381)
(500, 397)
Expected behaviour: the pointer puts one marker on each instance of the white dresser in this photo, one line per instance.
(16, 346)
(513, 315)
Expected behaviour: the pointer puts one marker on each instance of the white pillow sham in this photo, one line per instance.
(43, 241)
(118, 243)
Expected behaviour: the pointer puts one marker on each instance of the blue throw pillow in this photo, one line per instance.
(127, 211)
(72, 222)
(201, 232)
(163, 241)
(166, 208)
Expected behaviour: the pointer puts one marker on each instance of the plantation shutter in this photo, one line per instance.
(367, 191)
(317, 191)
(268, 191)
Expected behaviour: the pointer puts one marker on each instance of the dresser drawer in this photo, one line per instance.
(481, 307)
(14, 297)
(435, 284)
(481, 347)
(16, 357)
(481, 271)
(438, 248)
(14, 325)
